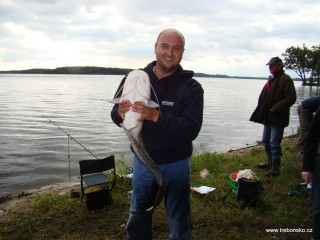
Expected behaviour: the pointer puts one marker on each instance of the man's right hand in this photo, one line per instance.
(306, 176)
(124, 107)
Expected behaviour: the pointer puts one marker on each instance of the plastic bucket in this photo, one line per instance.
(234, 184)
(75, 194)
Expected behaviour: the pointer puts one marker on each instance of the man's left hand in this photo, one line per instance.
(147, 113)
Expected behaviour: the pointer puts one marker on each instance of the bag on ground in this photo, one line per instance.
(248, 191)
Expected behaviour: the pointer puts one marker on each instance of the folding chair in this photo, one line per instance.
(291, 156)
(97, 179)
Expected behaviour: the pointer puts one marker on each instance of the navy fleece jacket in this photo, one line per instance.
(181, 112)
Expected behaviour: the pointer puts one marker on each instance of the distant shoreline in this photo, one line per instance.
(90, 70)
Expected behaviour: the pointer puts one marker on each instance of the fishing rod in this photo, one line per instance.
(68, 134)
(69, 138)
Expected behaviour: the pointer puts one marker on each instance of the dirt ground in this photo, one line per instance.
(18, 203)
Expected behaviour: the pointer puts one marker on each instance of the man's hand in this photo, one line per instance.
(306, 176)
(146, 112)
(124, 107)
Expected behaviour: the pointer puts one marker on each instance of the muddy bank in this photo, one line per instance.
(18, 203)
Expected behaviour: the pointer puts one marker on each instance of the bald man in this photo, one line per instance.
(168, 133)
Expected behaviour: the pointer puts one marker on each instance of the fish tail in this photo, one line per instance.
(158, 198)
(144, 157)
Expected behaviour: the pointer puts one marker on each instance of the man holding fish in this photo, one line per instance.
(169, 119)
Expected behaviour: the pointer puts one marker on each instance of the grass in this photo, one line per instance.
(52, 216)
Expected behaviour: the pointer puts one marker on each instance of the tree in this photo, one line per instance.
(297, 59)
(304, 60)
(315, 63)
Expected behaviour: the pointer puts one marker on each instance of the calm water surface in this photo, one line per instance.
(34, 151)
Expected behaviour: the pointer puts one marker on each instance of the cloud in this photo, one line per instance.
(230, 37)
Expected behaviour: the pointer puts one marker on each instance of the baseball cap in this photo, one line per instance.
(274, 60)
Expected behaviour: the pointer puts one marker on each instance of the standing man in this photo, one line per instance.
(311, 169)
(273, 111)
(168, 133)
(305, 111)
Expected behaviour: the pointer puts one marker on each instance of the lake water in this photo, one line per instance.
(34, 151)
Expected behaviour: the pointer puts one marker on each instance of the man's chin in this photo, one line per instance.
(170, 68)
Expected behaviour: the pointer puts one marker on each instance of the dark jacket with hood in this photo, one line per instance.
(181, 112)
(312, 145)
(274, 104)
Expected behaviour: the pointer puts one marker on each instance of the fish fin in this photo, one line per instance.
(115, 101)
(151, 104)
(141, 144)
(149, 209)
(125, 129)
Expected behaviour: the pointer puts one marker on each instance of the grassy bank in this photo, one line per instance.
(52, 216)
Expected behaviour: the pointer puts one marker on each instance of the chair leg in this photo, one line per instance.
(291, 158)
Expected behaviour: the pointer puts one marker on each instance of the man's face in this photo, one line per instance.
(169, 50)
(274, 68)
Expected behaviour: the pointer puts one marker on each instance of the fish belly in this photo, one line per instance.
(131, 120)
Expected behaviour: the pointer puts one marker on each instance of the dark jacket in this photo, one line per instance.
(274, 104)
(181, 111)
(312, 144)
(311, 104)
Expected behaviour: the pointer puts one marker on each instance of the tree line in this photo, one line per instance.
(75, 70)
(303, 61)
(91, 70)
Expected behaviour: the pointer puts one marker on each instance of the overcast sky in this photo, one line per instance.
(232, 37)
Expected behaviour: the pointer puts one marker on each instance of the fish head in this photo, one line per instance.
(136, 87)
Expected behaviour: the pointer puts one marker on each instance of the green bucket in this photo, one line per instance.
(74, 194)
(234, 184)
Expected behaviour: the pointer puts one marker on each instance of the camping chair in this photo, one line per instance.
(97, 179)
